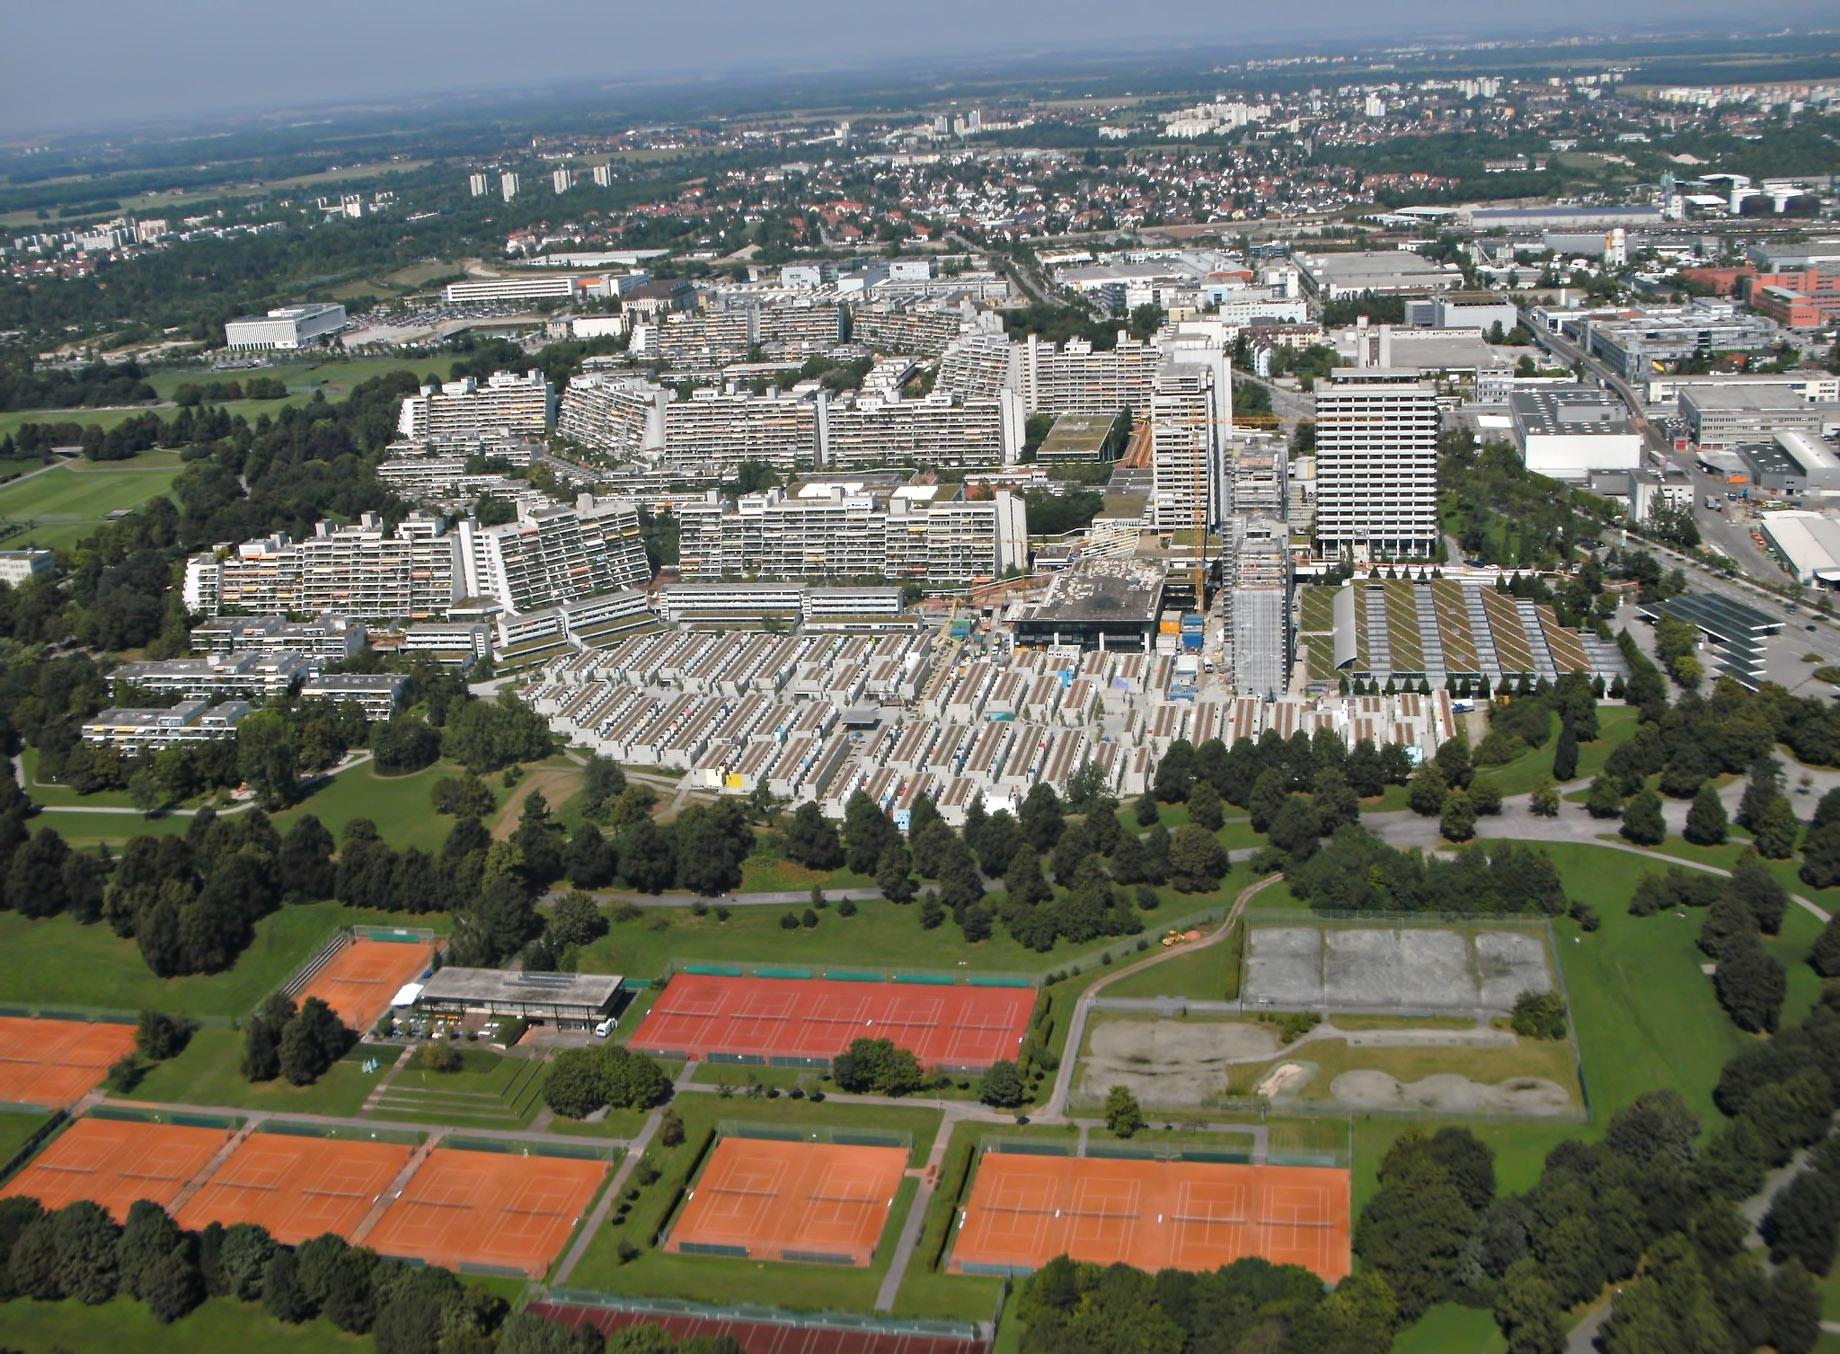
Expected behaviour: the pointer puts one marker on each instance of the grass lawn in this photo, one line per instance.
(1615, 724)
(70, 500)
(209, 1072)
(1450, 1329)
(881, 934)
(491, 1090)
(53, 962)
(220, 1324)
(400, 806)
(713, 1279)
(15, 1127)
(770, 874)
(1201, 975)
(89, 828)
(926, 1289)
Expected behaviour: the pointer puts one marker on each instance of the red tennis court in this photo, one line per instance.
(699, 1015)
(55, 1063)
(769, 1200)
(114, 1162)
(1193, 1215)
(488, 1210)
(360, 979)
(759, 1337)
(296, 1187)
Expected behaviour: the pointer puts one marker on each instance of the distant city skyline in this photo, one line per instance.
(188, 59)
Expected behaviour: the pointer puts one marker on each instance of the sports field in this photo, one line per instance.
(488, 1210)
(700, 1015)
(1193, 1215)
(765, 1199)
(1384, 968)
(360, 979)
(70, 500)
(115, 1162)
(55, 1063)
(297, 1187)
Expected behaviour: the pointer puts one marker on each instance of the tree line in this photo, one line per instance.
(80, 1254)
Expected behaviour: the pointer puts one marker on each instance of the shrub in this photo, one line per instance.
(439, 1058)
(1539, 1015)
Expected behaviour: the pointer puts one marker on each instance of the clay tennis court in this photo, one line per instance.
(360, 979)
(296, 1187)
(700, 1015)
(55, 1063)
(811, 1201)
(488, 1209)
(114, 1162)
(758, 1337)
(1193, 1215)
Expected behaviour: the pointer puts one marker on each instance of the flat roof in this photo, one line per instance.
(1742, 397)
(1569, 410)
(490, 984)
(1766, 458)
(1082, 433)
(1106, 591)
(1714, 614)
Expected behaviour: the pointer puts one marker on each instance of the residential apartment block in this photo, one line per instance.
(553, 554)
(1376, 465)
(849, 530)
(360, 570)
(156, 729)
(507, 404)
(244, 674)
(621, 415)
(1187, 483)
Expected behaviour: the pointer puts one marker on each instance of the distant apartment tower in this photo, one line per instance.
(1376, 467)
(620, 415)
(1185, 437)
(603, 176)
(508, 185)
(478, 185)
(507, 404)
(560, 179)
(554, 554)
(287, 327)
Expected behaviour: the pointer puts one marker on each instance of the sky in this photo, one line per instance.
(100, 63)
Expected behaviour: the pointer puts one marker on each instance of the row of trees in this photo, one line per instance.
(299, 1043)
(80, 1254)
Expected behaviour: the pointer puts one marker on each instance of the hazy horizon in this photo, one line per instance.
(136, 65)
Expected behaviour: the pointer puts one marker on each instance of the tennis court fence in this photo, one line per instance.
(53, 1125)
(740, 1314)
(916, 977)
(294, 1128)
(581, 1150)
(133, 1114)
(838, 1137)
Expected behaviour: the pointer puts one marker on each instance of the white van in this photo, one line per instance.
(605, 1028)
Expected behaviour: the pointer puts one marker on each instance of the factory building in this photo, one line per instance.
(1568, 431)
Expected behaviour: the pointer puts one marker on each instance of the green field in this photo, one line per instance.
(1615, 725)
(491, 1090)
(53, 962)
(15, 1127)
(398, 805)
(69, 500)
(1451, 1330)
(221, 1324)
(209, 1072)
(881, 934)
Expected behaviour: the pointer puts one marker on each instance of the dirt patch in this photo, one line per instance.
(559, 785)
(1171, 1062)
(1285, 1079)
(1447, 1093)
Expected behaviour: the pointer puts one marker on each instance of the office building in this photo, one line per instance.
(1568, 431)
(477, 185)
(286, 327)
(553, 554)
(1723, 416)
(154, 730)
(1653, 339)
(508, 185)
(1376, 466)
(536, 287)
(506, 405)
(22, 566)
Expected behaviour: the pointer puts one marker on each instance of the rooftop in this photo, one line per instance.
(1569, 410)
(1102, 591)
(1743, 397)
(490, 984)
(1716, 615)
